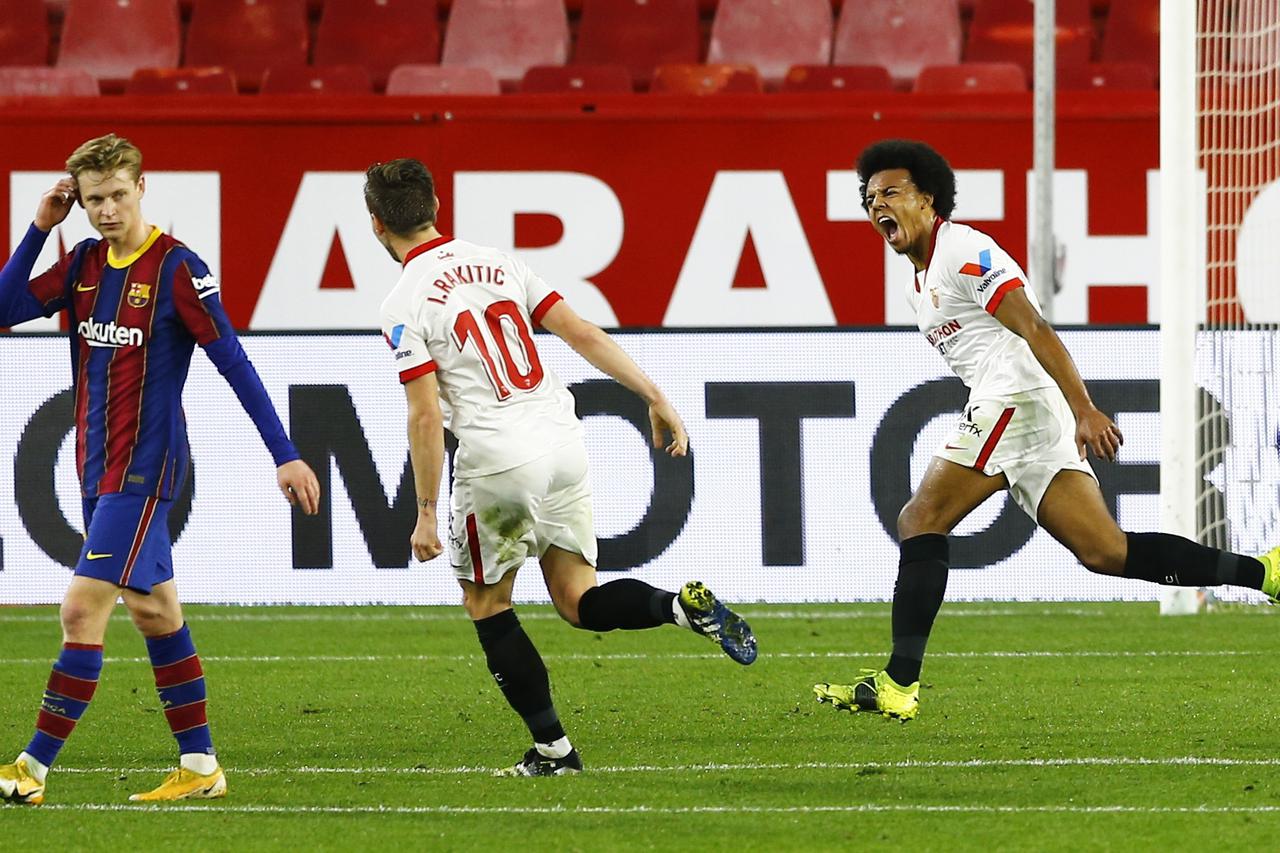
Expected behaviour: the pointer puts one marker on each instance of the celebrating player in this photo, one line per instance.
(460, 323)
(137, 303)
(1025, 428)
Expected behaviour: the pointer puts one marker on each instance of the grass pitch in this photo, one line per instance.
(1054, 727)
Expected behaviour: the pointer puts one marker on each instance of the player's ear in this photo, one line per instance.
(379, 227)
(142, 185)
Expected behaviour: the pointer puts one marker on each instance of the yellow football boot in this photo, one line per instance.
(17, 785)
(183, 784)
(1271, 581)
(876, 692)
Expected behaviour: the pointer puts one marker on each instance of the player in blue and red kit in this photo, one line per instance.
(137, 303)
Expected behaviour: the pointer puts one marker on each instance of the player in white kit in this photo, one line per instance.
(460, 322)
(1025, 428)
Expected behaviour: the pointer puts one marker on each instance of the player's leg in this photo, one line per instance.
(948, 492)
(565, 535)
(180, 683)
(1075, 513)
(86, 609)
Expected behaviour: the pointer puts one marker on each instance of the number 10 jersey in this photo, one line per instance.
(467, 312)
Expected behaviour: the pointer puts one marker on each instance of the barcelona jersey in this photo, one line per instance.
(134, 323)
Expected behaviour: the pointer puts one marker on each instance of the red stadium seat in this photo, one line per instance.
(316, 80)
(640, 34)
(441, 80)
(181, 81)
(986, 77)
(1107, 75)
(902, 35)
(576, 78)
(771, 35)
(680, 79)
(20, 81)
(506, 36)
(837, 78)
(24, 33)
(378, 34)
(112, 38)
(1132, 33)
(247, 36)
(1004, 31)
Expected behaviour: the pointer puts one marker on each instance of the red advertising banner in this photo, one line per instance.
(644, 210)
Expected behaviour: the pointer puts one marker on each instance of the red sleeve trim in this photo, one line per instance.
(414, 372)
(545, 305)
(996, 298)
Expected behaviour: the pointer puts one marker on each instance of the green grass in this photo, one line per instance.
(1054, 727)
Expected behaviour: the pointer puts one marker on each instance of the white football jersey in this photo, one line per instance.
(467, 312)
(955, 299)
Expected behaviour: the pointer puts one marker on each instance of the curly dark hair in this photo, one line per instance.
(929, 170)
(402, 194)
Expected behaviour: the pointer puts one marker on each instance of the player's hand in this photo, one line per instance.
(425, 540)
(664, 419)
(299, 484)
(56, 203)
(1097, 432)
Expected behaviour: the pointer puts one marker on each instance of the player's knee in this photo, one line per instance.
(76, 617)
(1102, 558)
(913, 520)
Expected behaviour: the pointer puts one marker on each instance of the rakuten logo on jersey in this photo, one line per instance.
(111, 334)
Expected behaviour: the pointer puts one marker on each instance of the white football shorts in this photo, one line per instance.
(499, 520)
(1029, 437)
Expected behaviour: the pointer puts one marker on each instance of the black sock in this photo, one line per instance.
(628, 603)
(922, 582)
(520, 673)
(1174, 561)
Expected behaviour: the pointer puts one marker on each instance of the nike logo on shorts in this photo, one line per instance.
(93, 556)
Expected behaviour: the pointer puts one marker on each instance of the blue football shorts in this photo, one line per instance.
(127, 541)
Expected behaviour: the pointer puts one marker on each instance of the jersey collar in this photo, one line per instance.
(121, 263)
(424, 247)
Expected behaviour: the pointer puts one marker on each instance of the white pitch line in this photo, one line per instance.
(627, 656)
(750, 611)
(860, 808)
(966, 764)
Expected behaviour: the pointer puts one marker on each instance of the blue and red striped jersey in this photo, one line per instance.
(134, 324)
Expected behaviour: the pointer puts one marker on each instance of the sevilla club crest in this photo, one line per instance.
(933, 294)
(139, 294)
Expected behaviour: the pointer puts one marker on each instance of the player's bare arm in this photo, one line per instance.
(299, 484)
(594, 344)
(1094, 429)
(426, 452)
(55, 204)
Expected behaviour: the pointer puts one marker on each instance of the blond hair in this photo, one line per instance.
(106, 154)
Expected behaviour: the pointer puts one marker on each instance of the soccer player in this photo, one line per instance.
(460, 323)
(137, 301)
(1025, 428)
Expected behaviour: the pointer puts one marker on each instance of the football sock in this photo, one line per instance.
(627, 603)
(71, 685)
(520, 673)
(558, 749)
(922, 582)
(180, 683)
(1171, 560)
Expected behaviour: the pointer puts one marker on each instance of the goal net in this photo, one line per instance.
(1237, 390)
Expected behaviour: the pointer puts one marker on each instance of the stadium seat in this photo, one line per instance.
(986, 77)
(21, 81)
(576, 78)
(247, 36)
(682, 79)
(1004, 31)
(441, 80)
(316, 80)
(24, 33)
(179, 81)
(902, 35)
(1132, 33)
(837, 78)
(1107, 75)
(112, 38)
(506, 36)
(378, 34)
(640, 34)
(771, 35)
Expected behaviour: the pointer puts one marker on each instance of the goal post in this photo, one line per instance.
(1220, 276)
